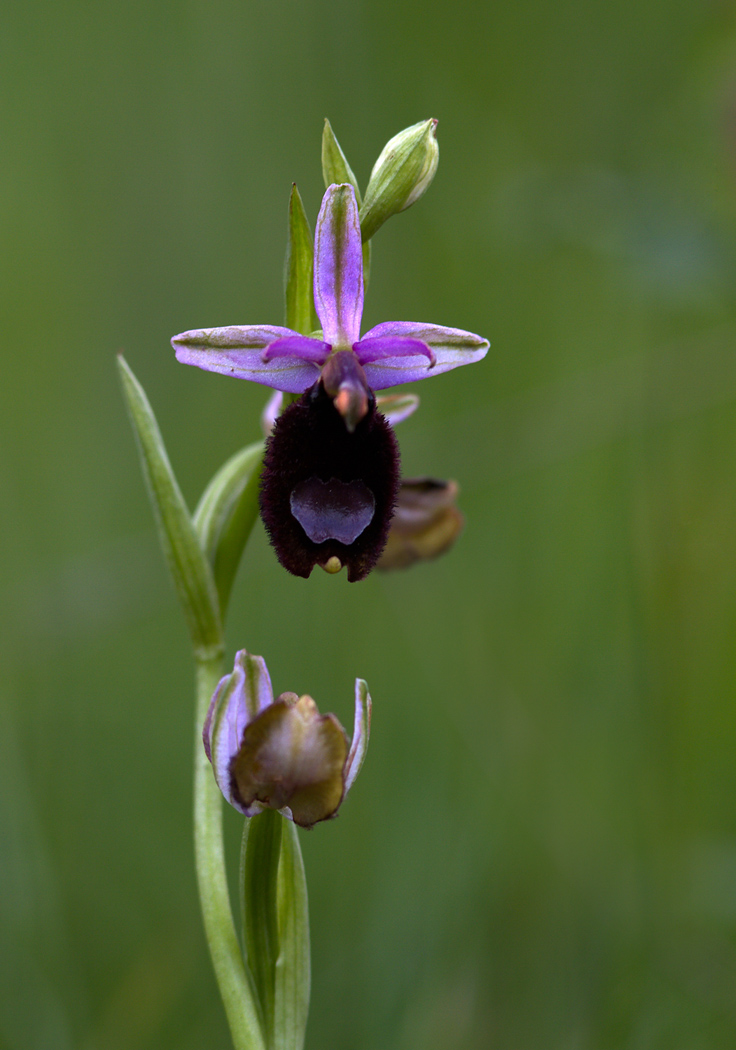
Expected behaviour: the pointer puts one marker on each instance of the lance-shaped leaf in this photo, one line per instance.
(292, 967)
(259, 866)
(189, 567)
(299, 269)
(276, 927)
(335, 168)
(226, 514)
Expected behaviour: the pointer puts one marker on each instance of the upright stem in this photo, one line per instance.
(235, 982)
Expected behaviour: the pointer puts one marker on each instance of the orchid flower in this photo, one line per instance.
(331, 471)
(281, 754)
(391, 353)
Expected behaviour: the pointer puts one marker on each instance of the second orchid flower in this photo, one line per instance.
(331, 473)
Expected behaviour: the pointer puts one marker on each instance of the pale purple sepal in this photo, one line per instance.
(451, 346)
(239, 697)
(338, 268)
(361, 734)
(397, 407)
(271, 412)
(300, 346)
(237, 351)
(369, 350)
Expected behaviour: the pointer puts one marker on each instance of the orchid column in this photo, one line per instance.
(329, 490)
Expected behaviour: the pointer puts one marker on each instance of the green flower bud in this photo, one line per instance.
(400, 176)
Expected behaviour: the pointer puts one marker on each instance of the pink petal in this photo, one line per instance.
(237, 351)
(338, 267)
(378, 349)
(452, 347)
(299, 346)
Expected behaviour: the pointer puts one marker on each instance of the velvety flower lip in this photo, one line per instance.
(281, 753)
(330, 476)
(392, 353)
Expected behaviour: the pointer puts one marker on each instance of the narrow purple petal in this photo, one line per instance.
(452, 347)
(237, 351)
(361, 734)
(300, 346)
(226, 720)
(379, 348)
(338, 267)
(239, 697)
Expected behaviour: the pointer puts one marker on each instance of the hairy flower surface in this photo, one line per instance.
(281, 753)
(331, 471)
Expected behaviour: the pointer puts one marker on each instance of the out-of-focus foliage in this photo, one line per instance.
(541, 851)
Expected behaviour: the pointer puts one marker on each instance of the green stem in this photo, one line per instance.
(236, 987)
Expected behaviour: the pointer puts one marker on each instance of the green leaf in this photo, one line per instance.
(292, 967)
(226, 513)
(299, 269)
(335, 167)
(259, 865)
(186, 559)
(276, 926)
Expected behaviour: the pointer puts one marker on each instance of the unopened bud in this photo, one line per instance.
(425, 524)
(400, 176)
(281, 754)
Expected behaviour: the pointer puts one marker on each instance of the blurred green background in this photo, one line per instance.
(541, 850)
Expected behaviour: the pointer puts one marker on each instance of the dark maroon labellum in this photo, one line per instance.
(328, 493)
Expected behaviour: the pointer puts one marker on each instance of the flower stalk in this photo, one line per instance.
(328, 485)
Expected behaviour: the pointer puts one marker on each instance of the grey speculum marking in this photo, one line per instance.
(332, 510)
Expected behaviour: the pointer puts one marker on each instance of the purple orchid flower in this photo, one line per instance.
(281, 754)
(331, 471)
(393, 352)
